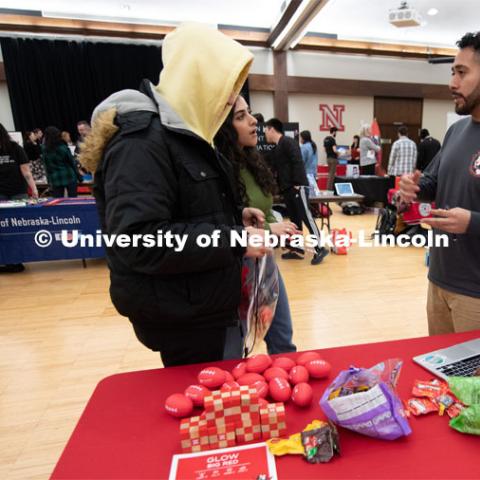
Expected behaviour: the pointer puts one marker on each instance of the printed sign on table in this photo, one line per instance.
(240, 463)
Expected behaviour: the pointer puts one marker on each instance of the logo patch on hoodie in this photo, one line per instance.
(475, 166)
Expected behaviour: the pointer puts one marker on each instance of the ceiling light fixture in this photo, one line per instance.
(432, 11)
(298, 25)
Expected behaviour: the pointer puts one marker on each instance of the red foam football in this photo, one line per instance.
(307, 357)
(178, 405)
(239, 370)
(284, 362)
(298, 374)
(228, 376)
(302, 394)
(280, 389)
(258, 363)
(211, 377)
(228, 386)
(261, 388)
(272, 372)
(318, 368)
(250, 378)
(197, 394)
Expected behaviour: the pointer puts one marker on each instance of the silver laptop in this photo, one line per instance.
(460, 360)
(344, 189)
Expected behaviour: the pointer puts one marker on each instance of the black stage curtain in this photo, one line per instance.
(58, 82)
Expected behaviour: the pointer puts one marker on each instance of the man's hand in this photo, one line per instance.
(284, 228)
(409, 186)
(35, 193)
(253, 217)
(256, 252)
(455, 220)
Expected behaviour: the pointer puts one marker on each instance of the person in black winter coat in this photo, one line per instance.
(157, 173)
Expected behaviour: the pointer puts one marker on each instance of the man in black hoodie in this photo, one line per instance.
(286, 161)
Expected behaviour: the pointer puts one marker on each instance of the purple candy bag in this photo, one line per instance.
(364, 400)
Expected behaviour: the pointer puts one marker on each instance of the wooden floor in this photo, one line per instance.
(60, 335)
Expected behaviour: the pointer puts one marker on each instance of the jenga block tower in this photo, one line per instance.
(193, 435)
(273, 424)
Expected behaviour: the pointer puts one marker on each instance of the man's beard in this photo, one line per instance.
(470, 103)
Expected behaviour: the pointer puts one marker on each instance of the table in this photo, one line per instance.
(375, 189)
(335, 199)
(19, 225)
(124, 432)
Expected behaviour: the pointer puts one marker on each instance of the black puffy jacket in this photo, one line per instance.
(157, 178)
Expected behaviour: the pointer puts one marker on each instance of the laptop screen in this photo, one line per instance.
(344, 189)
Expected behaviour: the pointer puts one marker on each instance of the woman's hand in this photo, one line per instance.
(284, 228)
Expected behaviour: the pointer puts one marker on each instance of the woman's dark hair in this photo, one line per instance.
(306, 136)
(5, 140)
(356, 142)
(226, 141)
(53, 138)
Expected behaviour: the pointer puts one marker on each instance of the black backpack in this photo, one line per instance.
(386, 221)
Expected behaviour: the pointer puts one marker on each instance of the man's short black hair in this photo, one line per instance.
(403, 130)
(333, 130)
(424, 133)
(259, 117)
(470, 40)
(276, 124)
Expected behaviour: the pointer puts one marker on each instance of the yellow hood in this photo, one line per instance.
(201, 69)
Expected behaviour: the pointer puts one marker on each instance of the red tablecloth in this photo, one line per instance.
(124, 432)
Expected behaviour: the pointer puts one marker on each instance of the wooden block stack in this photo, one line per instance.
(230, 418)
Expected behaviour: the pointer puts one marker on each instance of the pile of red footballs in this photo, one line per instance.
(281, 380)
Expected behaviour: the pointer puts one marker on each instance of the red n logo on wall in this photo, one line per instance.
(332, 117)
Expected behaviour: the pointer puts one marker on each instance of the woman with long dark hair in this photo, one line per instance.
(355, 151)
(309, 155)
(61, 171)
(236, 141)
(34, 152)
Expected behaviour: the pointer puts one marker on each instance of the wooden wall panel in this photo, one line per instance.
(333, 86)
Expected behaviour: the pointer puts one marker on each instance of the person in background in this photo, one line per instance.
(60, 165)
(368, 149)
(259, 117)
(427, 149)
(156, 170)
(67, 139)
(83, 129)
(34, 152)
(38, 135)
(236, 141)
(15, 176)
(330, 145)
(355, 151)
(403, 155)
(453, 180)
(287, 163)
(309, 154)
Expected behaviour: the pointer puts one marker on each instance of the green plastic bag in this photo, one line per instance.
(468, 421)
(467, 390)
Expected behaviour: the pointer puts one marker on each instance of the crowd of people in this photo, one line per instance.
(181, 157)
(48, 157)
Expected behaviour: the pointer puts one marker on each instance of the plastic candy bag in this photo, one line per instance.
(467, 390)
(259, 299)
(364, 400)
